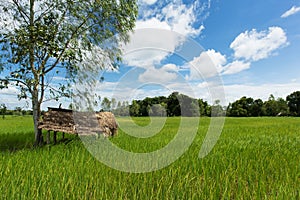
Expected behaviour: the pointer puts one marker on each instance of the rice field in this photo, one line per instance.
(255, 158)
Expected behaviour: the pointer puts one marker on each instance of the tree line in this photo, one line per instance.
(177, 104)
(16, 111)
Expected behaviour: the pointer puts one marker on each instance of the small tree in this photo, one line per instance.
(294, 103)
(39, 38)
(134, 108)
(106, 104)
(3, 110)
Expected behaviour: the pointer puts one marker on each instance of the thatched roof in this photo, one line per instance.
(69, 121)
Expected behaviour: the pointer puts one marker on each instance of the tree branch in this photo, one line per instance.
(18, 81)
(22, 12)
(44, 13)
(65, 47)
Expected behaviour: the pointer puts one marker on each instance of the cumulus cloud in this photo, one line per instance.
(253, 45)
(263, 91)
(181, 18)
(157, 21)
(175, 15)
(166, 73)
(236, 67)
(150, 46)
(290, 12)
(148, 2)
(207, 64)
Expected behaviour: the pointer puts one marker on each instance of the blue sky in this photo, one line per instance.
(254, 46)
(250, 48)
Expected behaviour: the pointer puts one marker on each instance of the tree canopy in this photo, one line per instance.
(40, 39)
(177, 104)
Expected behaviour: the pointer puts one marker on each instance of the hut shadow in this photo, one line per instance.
(16, 142)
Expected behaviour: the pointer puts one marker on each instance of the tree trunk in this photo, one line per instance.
(36, 118)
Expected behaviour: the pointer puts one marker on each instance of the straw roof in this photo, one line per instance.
(82, 123)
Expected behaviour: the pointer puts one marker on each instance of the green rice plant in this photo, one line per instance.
(255, 158)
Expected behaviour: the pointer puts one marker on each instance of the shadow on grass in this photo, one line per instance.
(14, 142)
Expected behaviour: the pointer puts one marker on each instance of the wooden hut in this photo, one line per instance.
(81, 123)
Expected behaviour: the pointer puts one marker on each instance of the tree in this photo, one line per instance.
(217, 109)
(173, 106)
(134, 108)
(256, 108)
(293, 101)
(18, 110)
(274, 107)
(106, 104)
(113, 103)
(158, 110)
(204, 107)
(3, 110)
(39, 38)
(241, 107)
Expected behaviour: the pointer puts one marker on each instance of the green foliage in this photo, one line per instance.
(177, 104)
(294, 103)
(60, 34)
(71, 38)
(247, 107)
(274, 107)
(134, 108)
(255, 158)
(3, 110)
(106, 104)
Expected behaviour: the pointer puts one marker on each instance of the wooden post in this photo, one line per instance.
(63, 135)
(48, 137)
(54, 137)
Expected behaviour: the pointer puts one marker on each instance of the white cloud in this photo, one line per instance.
(208, 64)
(161, 28)
(174, 15)
(236, 67)
(148, 2)
(181, 19)
(165, 74)
(7, 21)
(254, 46)
(234, 92)
(150, 46)
(290, 12)
(152, 23)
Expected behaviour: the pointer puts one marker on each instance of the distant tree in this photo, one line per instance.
(173, 106)
(256, 109)
(18, 110)
(293, 101)
(283, 108)
(189, 106)
(204, 108)
(122, 109)
(3, 110)
(158, 110)
(241, 107)
(273, 107)
(113, 103)
(217, 109)
(106, 104)
(71, 106)
(134, 108)
(119, 104)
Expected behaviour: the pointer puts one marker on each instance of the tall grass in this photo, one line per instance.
(255, 158)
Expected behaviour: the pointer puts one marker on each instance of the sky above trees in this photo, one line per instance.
(253, 46)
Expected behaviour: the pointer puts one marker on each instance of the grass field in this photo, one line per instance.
(255, 158)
